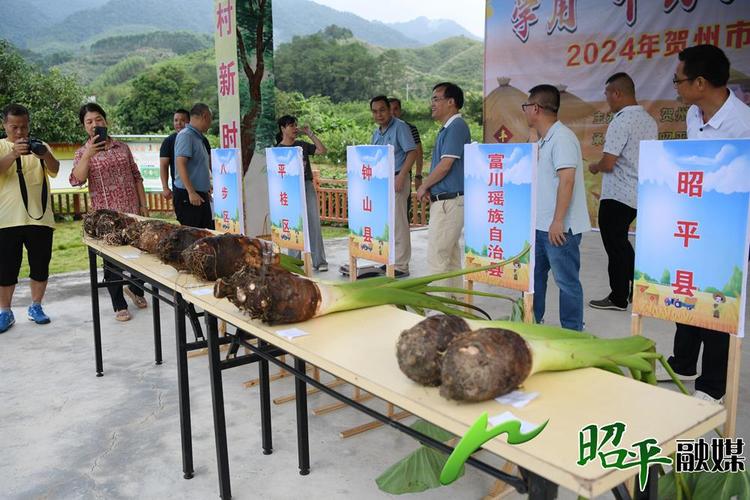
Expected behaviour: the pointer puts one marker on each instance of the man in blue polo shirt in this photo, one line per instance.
(561, 214)
(395, 132)
(444, 187)
(192, 182)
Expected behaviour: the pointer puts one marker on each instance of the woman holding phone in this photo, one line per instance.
(114, 182)
(287, 136)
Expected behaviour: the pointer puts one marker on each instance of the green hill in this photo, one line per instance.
(113, 60)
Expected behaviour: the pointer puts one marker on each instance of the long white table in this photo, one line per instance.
(359, 347)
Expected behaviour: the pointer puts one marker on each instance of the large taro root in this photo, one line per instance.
(107, 225)
(148, 235)
(221, 256)
(420, 349)
(484, 364)
(271, 294)
(171, 248)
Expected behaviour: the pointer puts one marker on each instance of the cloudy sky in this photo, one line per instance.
(470, 14)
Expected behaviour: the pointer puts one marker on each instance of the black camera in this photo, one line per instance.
(37, 147)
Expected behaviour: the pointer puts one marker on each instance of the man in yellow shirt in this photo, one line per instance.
(26, 217)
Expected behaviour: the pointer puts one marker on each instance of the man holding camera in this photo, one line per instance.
(26, 217)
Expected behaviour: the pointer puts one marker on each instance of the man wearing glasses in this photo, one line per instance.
(715, 113)
(444, 187)
(395, 132)
(561, 214)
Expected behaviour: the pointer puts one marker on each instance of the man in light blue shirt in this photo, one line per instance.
(561, 214)
(395, 132)
(444, 187)
(192, 182)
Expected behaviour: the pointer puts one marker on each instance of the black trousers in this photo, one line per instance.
(614, 221)
(190, 215)
(115, 291)
(687, 345)
(38, 243)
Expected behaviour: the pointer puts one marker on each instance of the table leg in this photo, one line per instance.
(265, 402)
(95, 313)
(217, 399)
(652, 487)
(303, 447)
(539, 488)
(156, 313)
(183, 383)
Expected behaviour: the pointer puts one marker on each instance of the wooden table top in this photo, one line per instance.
(360, 348)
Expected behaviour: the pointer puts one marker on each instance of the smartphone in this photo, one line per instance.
(101, 134)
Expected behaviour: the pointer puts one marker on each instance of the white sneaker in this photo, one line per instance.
(663, 376)
(706, 397)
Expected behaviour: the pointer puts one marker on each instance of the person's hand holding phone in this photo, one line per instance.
(93, 147)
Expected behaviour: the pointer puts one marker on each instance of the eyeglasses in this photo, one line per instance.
(676, 81)
(527, 104)
(436, 99)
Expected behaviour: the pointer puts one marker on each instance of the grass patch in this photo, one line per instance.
(335, 232)
(68, 251)
(70, 254)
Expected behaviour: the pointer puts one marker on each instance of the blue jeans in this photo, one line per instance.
(565, 262)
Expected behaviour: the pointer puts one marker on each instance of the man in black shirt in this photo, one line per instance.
(395, 104)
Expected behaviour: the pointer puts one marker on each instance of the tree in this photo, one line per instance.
(253, 25)
(391, 72)
(733, 288)
(320, 64)
(385, 235)
(666, 278)
(149, 105)
(52, 98)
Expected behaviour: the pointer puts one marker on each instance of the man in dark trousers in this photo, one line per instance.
(192, 184)
(715, 113)
(630, 125)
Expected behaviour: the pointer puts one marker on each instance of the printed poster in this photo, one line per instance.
(692, 237)
(227, 196)
(286, 195)
(576, 45)
(499, 222)
(371, 199)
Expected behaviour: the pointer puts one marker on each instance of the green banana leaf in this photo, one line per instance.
(705, 485)
(420, 470)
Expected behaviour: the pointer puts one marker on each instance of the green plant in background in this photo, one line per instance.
(50, 96)
(153, 98)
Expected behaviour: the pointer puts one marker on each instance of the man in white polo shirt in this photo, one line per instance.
(561, 214)
(630, 125)
(715, 113)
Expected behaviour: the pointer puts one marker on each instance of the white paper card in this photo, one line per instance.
(291, 333)
(131, 255)
(504, 417)
(517, 399)
(202, 291)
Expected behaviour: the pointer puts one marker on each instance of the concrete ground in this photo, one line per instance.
(66, 434)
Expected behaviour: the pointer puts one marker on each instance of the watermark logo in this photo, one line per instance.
(642, 454)
(476, 436)
(721, 455)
